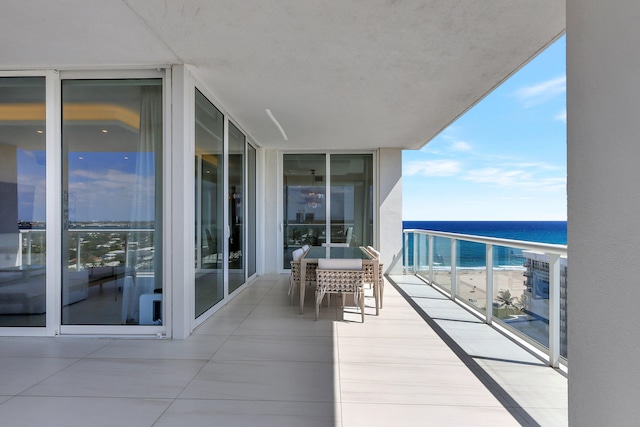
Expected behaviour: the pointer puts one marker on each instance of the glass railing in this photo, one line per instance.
(95, 247)
(115, 247)
(519, 286)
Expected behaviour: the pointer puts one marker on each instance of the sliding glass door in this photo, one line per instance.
(112, 202)
(236, 207)
(352, 199)
(328, 198)
(22, 202)
(209, 179)
(220, 245)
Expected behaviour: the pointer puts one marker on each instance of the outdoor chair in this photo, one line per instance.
(368, 273)
(294, 278)
(340, 276)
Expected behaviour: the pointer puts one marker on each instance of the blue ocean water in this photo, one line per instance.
(473, 254)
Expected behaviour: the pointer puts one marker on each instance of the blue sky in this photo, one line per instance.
(505, 159)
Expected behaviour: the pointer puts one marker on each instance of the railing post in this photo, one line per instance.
(406, 252)
(415, 252)
(29, 242)
(78, 245)
(489, 298)
(554, 310)
(430, 259)
(454, 279)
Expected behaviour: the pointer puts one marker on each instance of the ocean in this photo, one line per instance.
(473, 254)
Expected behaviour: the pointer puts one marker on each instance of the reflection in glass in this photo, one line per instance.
(22, 206)
(352, 199)
(304, 182)
(236, 207)
(528, 311)
(112, 204)
(209, 140)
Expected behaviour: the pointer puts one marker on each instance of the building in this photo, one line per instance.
(536, 296)
(277, 83)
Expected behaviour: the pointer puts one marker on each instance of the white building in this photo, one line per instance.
(536, 296)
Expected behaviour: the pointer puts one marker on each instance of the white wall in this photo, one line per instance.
(390, 208)
(603, 98)
(272, 195)
(181, 200)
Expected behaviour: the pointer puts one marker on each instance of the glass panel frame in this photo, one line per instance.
(209, 204)
(313, 200)
(304, 202)
(252, 231)
(236, 207)
(471, 274)
(103, 124)
(23, 211)
(351, 199)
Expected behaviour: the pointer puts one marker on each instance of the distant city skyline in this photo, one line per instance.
(505, 159)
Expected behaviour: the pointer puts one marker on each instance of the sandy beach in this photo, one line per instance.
(472, 283)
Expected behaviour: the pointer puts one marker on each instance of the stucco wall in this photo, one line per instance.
(390, 210)
(603, 101)
(272, 191)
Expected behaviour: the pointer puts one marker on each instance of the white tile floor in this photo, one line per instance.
(257, 362)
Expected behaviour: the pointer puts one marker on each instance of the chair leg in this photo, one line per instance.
(361, 298)
(292, 292)
(317, 305)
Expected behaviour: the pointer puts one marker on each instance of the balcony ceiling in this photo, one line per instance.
(335, 74)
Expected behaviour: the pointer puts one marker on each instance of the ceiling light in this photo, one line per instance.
(104, 131)
(40, 131)
(284, 135)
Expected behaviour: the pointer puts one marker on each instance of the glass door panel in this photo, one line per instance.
(209, 181)
(351, 199)
(251, 211)
(236, 208)
(304, 181)
(22, 202)
(112, 202)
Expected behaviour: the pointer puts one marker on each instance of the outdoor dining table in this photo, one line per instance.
(317, 252)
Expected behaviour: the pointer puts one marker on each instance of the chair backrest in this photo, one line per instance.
(340, 264)
(373, 252)
(305, 248)
(297, 254)
(335, 245)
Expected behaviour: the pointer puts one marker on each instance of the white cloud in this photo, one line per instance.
(542, 92)
(537, 165)
(497, 176)
(432, 168)
(461, 146)
(523, 179)
(561, 116)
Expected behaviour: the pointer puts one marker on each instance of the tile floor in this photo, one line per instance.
(257, 362)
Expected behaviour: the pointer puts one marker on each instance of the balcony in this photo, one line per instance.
(424, 361)
(520, 287)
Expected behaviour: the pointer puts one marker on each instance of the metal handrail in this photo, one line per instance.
(519, 244)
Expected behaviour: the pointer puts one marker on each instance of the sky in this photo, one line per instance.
(504, 160)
